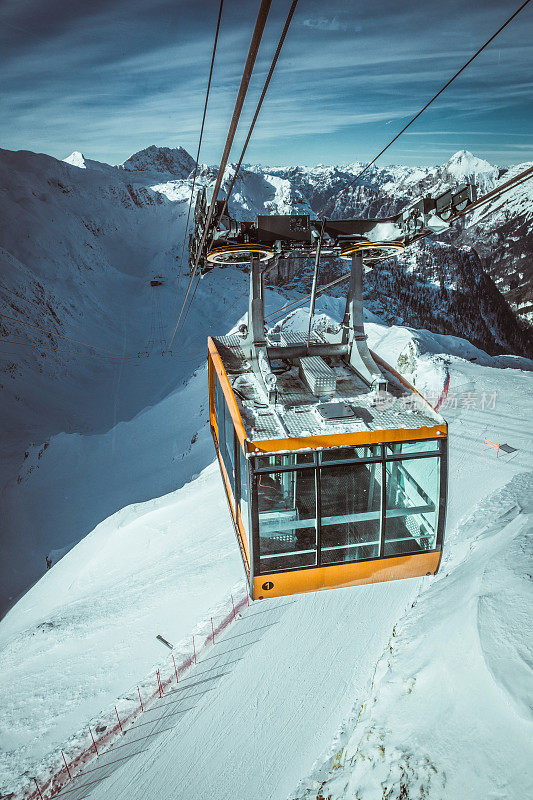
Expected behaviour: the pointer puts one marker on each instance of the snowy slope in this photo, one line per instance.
(85, 436)
(293, 699)
(68, 268)
(502, 231)
(80, 242)
(83, 477)
(86, 631)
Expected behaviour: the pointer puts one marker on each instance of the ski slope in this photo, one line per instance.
(420, 683)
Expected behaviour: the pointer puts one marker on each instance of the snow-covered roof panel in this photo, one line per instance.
(298, 413)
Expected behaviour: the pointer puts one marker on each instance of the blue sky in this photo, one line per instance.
(109, 78)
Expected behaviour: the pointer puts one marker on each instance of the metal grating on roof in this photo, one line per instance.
(297, 337)
(318, 376)
(267, 426)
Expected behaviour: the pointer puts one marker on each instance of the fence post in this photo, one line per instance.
(194, 649)
(66, 765)
(140, 701)
(159, 684)
(247, 599)
(233, 604)
(175, 670)
(92, 737)
(119, 722)
(212, 628)
(38, 789)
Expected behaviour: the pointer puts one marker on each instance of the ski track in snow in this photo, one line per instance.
(242, 740)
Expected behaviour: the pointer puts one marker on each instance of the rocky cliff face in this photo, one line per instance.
(173, 161)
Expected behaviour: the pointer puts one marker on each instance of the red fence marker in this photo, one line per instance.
(175, 670)
(140, 701)
(37, 785)
(92, 737)
(66, 765)
(492, 445)
(444, 393)
(212, 628)
(194, 649)
(119, 722)
(233, 604)
(159, 684)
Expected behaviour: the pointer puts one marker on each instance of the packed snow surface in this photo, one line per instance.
(86, 631)
(353, 689)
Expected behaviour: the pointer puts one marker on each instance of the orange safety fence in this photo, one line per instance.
(54, 784)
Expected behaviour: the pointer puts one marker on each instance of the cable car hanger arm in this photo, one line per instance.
(224, 240)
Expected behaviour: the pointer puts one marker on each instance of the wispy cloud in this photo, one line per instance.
(330, 24)
(111, 76)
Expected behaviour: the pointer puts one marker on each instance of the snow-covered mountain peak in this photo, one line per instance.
(76, 159)
(168, 160)
(465, 167)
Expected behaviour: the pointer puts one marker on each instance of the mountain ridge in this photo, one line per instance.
(501, 232)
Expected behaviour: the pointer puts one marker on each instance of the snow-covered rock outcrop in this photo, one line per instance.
(173, 161)
(464, 167)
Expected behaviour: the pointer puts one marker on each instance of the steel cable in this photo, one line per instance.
(198, 150)
(496, 193)
(252, 126)
(60, 350)
(326, 208)
(63, 336)
(260, 102)
(241, 95)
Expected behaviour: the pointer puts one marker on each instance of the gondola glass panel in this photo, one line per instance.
(243, 502)
(350, 512)
(225, 435)
(219, 413)
(412, 504)
(286, 503)
(229, 458)
(403, 448)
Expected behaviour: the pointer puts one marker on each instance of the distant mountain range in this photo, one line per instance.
(501, 232)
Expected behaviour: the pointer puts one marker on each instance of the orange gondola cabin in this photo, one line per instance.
(334, 466)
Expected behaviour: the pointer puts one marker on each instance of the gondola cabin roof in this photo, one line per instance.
(343, 411)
